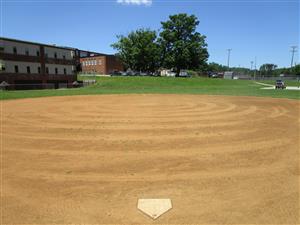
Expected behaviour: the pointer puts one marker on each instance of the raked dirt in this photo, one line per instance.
(88, 159)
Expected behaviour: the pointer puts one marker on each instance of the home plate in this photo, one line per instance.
(154, 207)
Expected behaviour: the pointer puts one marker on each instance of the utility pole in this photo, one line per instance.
(294, 49)
(228, 58)
(251, 65)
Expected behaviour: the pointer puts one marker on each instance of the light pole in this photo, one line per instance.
(294, 49)
(255, 68)
(228, 57)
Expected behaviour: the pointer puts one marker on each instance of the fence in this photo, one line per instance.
(277, 78)
(88, 82)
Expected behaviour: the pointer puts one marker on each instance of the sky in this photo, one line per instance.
(265, 29)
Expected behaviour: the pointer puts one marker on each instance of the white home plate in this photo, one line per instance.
(154, 207)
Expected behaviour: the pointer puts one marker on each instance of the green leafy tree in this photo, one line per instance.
(139, 51)
(215, 67)
(267, 69)
(182, 47)
(296, 70)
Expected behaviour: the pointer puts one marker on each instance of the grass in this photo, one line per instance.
(163, 85)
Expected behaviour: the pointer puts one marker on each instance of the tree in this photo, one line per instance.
(267, 69)
(296, 70)
(215, 67)
(139, 51)
(182, 47)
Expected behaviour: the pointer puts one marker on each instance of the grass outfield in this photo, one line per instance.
(163, 85)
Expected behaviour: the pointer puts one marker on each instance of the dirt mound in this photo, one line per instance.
(87, 159)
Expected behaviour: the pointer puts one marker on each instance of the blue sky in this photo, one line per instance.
(265, 29)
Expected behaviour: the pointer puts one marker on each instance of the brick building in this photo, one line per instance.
(30, 65)
(100, 64)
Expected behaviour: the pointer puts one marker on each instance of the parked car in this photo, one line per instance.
(116, 73)
(279, 84)
(143, 74)
(167, 73)
(184, 73)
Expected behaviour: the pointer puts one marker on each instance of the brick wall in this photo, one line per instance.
(101, 64)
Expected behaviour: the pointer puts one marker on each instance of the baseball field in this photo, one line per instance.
(87, 159)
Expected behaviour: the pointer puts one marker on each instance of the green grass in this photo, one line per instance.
(163, 85)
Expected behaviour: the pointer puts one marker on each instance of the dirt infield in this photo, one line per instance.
(87, 159)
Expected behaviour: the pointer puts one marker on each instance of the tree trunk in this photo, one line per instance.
(177, 72)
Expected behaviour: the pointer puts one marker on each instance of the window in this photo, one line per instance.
(26, 52)
(64, 57)
(46, 55)
(16, 69)
(39, 70)
(2, 66)
(55, 55)
(65, 71)
(28, 69)
(47, 70)
(100, 62)
(15, 50)
(56, 71)
(37, 53)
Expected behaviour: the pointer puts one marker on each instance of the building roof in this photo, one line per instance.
(56, 46)
(37, 43)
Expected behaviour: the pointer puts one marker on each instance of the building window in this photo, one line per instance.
(28, 69)
(56, 71)
(39, 70)
(26, 52)
(55, 55)
(47, 70)
(2, 66)
(46, 55)
(15, 50)
(37, 53)
(65, 71)
(16, 69)
(64, 57)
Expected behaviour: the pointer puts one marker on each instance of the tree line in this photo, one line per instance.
(267, 69)
(177, 46)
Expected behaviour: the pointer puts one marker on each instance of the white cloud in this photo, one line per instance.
(135, 2)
